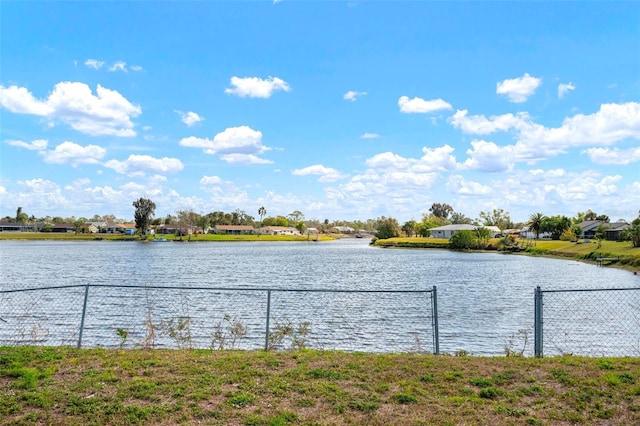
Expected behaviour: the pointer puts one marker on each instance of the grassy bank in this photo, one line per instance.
(629, 257)
(109, 387)
(119, 237)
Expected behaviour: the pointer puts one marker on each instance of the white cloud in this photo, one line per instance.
(389, 160)
(138, 165)
(618, 157)
(237, 158)
(518, 89)
(368, 135)
(36, 145)
(564, 88)
(461, 186)
(236, 144)
(481, 125)
(418, 105)
(21, 101)
(255, 87)
(94, 63)
(438, 159)
(106, 113)
(74, 154)
(488, 157)
(137, 68)
(611, 124)
(352, 95)
(327, 174)
(189, 118)
(210, 180)
(119, 66)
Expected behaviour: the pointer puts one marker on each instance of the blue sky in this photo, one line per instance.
(341, 110)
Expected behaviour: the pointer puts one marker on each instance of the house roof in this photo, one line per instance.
(458, 227)
(234, 227)
(589, 224)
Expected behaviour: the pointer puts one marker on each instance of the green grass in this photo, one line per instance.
(42, 385)
(629, 256)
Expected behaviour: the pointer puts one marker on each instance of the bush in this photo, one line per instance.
(463, 240)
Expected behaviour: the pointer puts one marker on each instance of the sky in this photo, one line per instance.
(341, 110)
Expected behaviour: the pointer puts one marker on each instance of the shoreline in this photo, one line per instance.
(628, 257)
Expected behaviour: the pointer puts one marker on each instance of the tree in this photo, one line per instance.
(388, 227)
(603, 217)
(21, 217)
(459, 218)
(535, 223)
(497, 217)
(441, 210)
(409, 228)
(295, 216)
(145, 209)
(423, 228)
(483, 234)
(556, 225)
(465, 239)
(632, 234)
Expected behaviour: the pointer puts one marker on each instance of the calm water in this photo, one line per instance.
(484, 299)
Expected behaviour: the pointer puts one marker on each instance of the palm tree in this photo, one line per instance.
(535, 223)
(262, 212)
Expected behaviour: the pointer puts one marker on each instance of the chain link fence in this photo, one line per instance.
(591, 322)
(150, 317)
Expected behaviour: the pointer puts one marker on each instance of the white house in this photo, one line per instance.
(279, 230)
(448, 230)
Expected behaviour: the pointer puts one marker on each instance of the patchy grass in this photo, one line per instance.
(42, 385)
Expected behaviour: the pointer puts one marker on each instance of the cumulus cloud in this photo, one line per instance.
(189, 118)
(234, 145)
(481, 125)
(36, 145)
(611, 124)
(210, 180)
(368, 135)
(326, 174)
(74, 154)
(518, 89)
(618, 157)
(439, 159)
(459, 185)
(94, 63)
(352, 95)
(255, 87)
(139, 165)
(488, 157)
(418, 105)
(237, 158)
(105, 113)
(564, 88)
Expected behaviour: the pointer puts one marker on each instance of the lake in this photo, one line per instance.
(485, 300)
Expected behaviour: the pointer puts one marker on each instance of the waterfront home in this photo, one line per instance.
(234, 229)
(279, 230)
(447, 231)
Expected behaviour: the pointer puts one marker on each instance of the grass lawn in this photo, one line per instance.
(629, 256)
(41, 385)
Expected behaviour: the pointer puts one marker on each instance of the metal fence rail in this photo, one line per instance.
(220, 318)
(593, 322)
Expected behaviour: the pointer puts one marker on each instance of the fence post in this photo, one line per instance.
(84, 312)
(434, 323)
(537, 323)
(266, 334)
